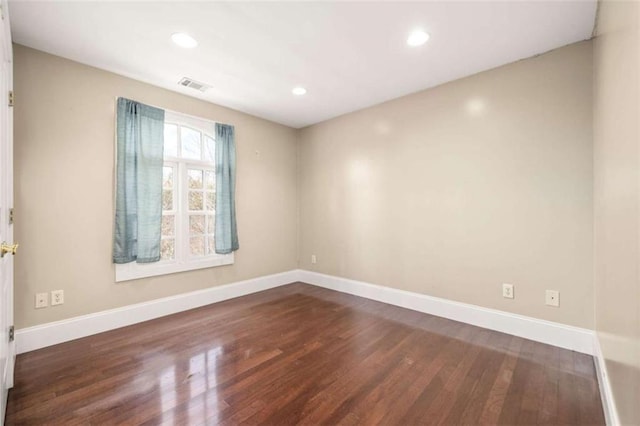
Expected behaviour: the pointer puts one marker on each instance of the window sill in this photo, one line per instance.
(134, 271)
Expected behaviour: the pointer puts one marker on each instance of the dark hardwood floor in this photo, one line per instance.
(302, 354)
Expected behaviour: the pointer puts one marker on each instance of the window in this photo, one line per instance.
(188, 201)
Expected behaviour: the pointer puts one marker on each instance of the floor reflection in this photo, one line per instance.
(167, 388)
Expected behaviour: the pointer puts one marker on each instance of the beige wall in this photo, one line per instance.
(617, 200)
(64, 146)
(457, 189)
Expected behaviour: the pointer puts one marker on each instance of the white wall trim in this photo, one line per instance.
(40, 336)
(552, 333)
(606, 394)
(133, 270)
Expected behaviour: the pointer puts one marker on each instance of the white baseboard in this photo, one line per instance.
(552, 333)
(608, 403)
(40, 336)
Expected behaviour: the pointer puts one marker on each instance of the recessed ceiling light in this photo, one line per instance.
(299, 91)
(417, 38)
(184, 40)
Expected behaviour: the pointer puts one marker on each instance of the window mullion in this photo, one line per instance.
(180, 257)
(176, 212)
(183, 215)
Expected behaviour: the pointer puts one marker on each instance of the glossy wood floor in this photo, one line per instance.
(302, 354)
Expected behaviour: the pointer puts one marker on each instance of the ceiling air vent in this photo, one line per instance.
(188, 82)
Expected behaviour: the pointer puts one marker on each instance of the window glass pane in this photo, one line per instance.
(211, 224)
(209, 149)
(196, 224)
(167, 199)
(195, 178)
(168, 225)
(167, 177)
(170, 140)
(209, 179)
(196, 245)
(195, 200)
(191, 143)
(211, 245)
(167, 249)
(210, 200)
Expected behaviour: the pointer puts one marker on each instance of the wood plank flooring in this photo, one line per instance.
(300, 354)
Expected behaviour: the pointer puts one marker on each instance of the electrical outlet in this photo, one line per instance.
(552, 298)
(42, 300)
(507, 291)
(57, 297)
(314, 259)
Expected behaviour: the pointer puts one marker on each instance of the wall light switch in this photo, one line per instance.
(314, 260)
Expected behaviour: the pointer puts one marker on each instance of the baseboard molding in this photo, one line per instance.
(40, 336)
(608, 403)
(552, 333)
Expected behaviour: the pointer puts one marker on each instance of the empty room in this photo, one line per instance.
(320, 212)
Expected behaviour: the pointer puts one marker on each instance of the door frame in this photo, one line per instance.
(7, 176)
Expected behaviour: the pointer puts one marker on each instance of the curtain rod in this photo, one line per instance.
(176, 112)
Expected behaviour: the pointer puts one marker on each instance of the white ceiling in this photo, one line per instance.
(348, 55)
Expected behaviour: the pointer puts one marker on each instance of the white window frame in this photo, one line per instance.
(182, 260)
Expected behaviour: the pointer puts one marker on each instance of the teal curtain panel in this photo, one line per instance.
(226, 227)
(139, 160)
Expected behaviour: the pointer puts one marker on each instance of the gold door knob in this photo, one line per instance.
(8, 248)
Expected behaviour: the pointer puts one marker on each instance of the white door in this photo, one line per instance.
(7, 348)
